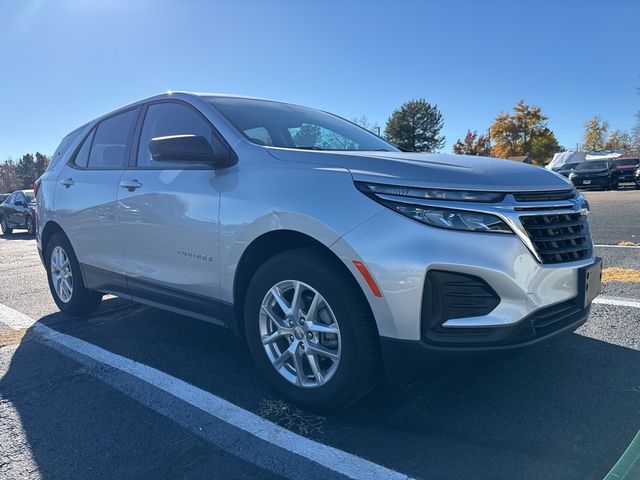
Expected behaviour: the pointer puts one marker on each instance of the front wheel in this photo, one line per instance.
(5, 229)
(310, 331)
(31, 226)
(65, 279)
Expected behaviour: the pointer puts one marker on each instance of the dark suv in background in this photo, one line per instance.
(626, 168)
(18, 211)
(595, 174)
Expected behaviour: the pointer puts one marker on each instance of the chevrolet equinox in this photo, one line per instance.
(340, 259)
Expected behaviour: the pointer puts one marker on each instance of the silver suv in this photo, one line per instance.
(339, 258)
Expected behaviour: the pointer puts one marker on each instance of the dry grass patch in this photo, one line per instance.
(11, 337)
(615, 274)
(628, 244)
(291, 417)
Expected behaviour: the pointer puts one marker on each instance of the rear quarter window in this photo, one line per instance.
(64, 147)
(82, 157)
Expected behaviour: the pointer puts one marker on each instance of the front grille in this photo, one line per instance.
(551, 196)
(550, 319)
(559, 237)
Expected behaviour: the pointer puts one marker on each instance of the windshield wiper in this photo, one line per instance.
(310, 147)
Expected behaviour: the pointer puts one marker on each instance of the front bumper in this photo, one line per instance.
(592, 182)
(402, 255)
(399, 253)
(626, 178)
(406, 361)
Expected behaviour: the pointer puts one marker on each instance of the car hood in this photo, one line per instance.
(433, 170)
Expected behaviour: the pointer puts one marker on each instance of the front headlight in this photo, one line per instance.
(431, 193)
(450, 218)
(440, 217)
(584, 204)
(572, 174)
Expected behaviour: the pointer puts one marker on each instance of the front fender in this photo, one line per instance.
(261, 197)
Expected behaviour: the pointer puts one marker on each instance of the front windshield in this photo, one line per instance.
(30, 197)
(569, 166)
(278, 124)
(592, 166)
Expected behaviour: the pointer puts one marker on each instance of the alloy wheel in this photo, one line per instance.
(300, 334)
(61, 274)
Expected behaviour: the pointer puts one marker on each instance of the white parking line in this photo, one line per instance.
(338, 461)
(617, 246)
(621, 302)
(14, 319)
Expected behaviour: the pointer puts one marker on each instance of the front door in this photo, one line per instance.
(10, 208)
(169, 217)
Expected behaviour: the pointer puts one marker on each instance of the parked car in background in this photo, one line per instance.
(636, 178)
(567, 169)
(626, 168)
(260, 215)
(598, 174)
(18, 211)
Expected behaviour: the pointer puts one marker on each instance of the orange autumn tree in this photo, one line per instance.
(523, 131)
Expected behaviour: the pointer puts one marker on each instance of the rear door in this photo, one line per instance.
(86, 200)
(169, 215)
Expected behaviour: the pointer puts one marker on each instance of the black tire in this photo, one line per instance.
(359, 367)
(83, 301)
(31, 225)
(5, 229)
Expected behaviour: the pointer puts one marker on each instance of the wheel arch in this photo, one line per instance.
(265, 247)
(48, 231)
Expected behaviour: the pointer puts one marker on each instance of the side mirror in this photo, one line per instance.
(186, 148)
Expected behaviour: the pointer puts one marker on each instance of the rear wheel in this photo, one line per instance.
(310, 331)
(5, 229)
(65, 279)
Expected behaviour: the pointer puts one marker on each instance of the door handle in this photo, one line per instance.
(67, 183)
(131, 186)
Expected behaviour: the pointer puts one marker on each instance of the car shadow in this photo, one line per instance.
(566, 409)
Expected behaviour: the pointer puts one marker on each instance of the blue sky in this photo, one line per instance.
(64, 62)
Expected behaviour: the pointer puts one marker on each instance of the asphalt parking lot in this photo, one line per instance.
(567, 409)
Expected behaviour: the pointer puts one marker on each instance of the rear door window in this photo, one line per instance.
(109, 145)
